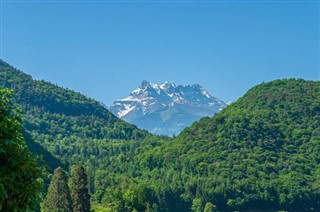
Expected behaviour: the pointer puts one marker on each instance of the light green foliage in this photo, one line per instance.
(210, 207)
(98, 208)
(197, 205)
(19, 172)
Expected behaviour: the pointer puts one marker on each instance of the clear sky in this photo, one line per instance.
(104, 49)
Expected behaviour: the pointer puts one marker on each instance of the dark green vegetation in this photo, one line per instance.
(261, 152)
(19, 172)
(79, 190)
(65, 125)
(58, 197)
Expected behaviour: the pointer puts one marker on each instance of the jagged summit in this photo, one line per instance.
(166, 108)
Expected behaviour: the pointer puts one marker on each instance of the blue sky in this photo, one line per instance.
(105, 49)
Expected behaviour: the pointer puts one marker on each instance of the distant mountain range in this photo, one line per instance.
(167, 108)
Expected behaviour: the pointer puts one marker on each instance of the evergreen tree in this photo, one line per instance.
(210, 207)
(80, 194)
(197, 205)
(58, 198)
(19, 172)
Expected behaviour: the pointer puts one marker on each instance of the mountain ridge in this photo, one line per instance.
(52, 114)
(166, 108)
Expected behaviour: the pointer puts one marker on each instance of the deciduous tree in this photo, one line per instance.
(19, 173)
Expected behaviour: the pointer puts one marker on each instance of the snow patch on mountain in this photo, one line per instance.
(167, 108)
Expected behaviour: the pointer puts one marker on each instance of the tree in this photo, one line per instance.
(210, 207)
(79, 189)
(197, 205)
(58, 197)
(20, 184)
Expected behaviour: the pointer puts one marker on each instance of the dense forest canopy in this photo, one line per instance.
(62, 120)
(261, 152)
(20, 182)
(71, 127)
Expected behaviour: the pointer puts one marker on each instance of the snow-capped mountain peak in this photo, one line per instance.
(161, 103)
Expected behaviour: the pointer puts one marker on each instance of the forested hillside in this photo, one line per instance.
(55, 115)
(68, 125)
(261, 152)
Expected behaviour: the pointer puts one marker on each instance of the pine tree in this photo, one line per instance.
(80, 194)
(58, 198)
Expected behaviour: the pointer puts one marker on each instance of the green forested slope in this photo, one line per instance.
(70, 126)
(261, 152)
(55, 115)
(70, 112)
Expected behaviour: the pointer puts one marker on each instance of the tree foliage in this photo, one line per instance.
(210, 207)
(58, 198)
(19, 172)
(79, 190)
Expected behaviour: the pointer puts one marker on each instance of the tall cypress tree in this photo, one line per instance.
(58, 198)
(80, 194)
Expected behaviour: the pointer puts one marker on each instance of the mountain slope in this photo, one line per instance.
(68, 125)
(168, 108)
(41, 100)
(261, 152)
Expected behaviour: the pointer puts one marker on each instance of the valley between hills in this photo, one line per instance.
(260, 153)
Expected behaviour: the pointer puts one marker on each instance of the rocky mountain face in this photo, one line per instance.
(168, 108)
